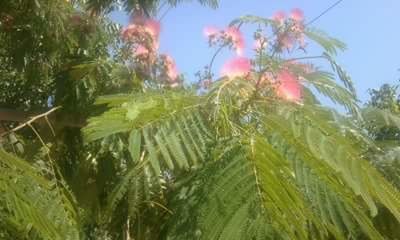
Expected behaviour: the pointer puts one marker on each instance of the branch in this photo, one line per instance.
(210, 65)
(68, 120)
(28, 123)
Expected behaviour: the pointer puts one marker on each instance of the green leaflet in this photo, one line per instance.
(177, 150)
(134, 144)
(14, 162)
(134, 109)
(34, 204)
(187, 143)
(342, 74)
(246, 191)
(122, 188)
(161, 142)
(331, 45)
(324, 83)
(153, 155)
(139, 111)
(251, 19)
(357, 178)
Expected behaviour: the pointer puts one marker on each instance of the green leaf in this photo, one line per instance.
(331, 45)
(153, 155)
(251, 19)
(325, 84)
(135, 141)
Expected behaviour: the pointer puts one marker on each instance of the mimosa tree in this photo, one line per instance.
(248, 153)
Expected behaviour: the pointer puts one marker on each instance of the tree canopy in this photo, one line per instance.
(120, 146)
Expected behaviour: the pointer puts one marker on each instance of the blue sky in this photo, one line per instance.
(370, 28)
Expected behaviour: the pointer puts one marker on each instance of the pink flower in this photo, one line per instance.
(297, 15)
(171, 68)
(143, 33)
(231, 34)
(237, 39)
(172, 72)
(236, 67)
(210, 31)
(153, 28)
(128, 31)
(289, 87)
(140, 50)
(279, 17)
(139, 27)
(286, 41)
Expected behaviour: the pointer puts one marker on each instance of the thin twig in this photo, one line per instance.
(160, 205)
(128, 231)
(38, 136)
(303, 58)
(213, 58)
(50, 126)
(28, 123)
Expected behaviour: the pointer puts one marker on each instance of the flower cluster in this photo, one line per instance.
(284, 83)
(288, 86)
(142, 36)
(236, 67)
(288, 32)
(170, 70)
(230, 36)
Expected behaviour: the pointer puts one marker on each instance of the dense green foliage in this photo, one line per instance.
(235, 161)
(382, 122)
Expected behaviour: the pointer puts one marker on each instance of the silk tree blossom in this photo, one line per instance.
(129, 31)
(143, 32)
(279, 17)
(140, 50)
(171, 69)
(234, 34)
(236, 67)
(172, 72)
(292, 33)
(210, 31)
(298, 27)
(133, 30)
(289, 86)
(230, 34)
(286, 41)
(297, 15)
(153, 27)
